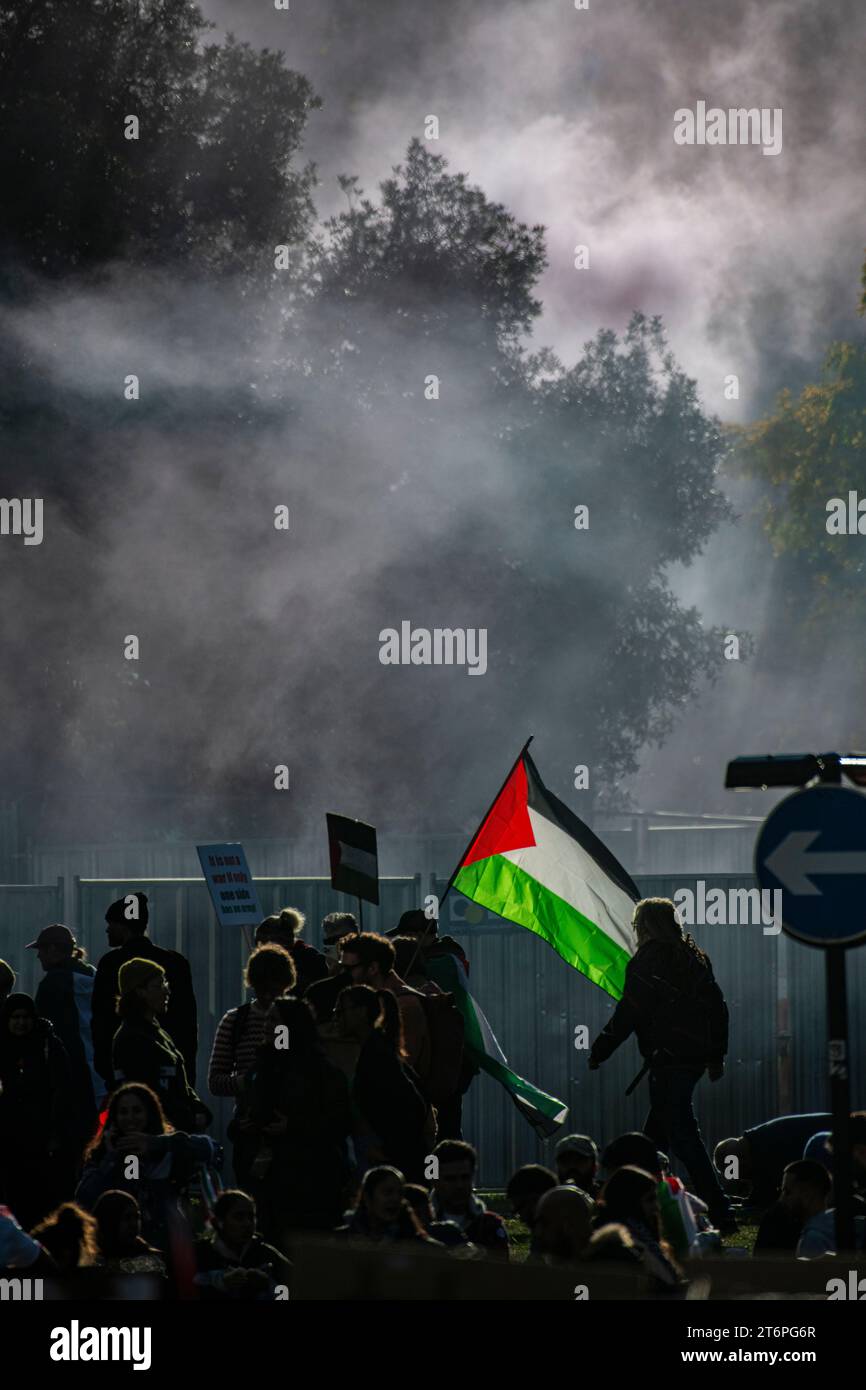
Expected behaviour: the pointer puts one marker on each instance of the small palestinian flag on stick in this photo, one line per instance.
(354, 858)
(534, 863)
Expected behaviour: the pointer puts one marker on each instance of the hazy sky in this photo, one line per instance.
(567, 117)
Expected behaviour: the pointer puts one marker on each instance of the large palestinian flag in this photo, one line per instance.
(534, 863)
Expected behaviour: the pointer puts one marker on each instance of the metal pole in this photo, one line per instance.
(840, 1102)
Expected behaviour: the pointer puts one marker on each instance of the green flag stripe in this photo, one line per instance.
(499, 885)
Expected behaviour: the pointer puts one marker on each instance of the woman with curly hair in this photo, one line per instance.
(165, 1160)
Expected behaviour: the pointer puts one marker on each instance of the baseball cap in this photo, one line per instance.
(577, 1144)
(55, 935)
(414, 922)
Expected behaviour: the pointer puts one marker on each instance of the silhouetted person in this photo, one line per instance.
(167, 1160)
(561, 1225)
(382, 1214)
(284, 929)
(525, 1189)
(123, 1251)
(143, 1051)
(754, 1161)
(64, 996)
(576, 1158)
(35, 1112)
(127, 922)
(235, 1262)
(270, 974)
(454, 1200)
(673, 1004)
(299, 1103)
(369, 959)
(630, 1198)
(391, 1114)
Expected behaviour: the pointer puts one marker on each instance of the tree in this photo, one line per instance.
(209, 180)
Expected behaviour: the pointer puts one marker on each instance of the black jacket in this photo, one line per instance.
(673, 1004)
(35, 1092)
(142, 1051)
(181, 1020)
(64, 996)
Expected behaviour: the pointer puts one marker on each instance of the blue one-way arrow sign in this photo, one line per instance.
(812, 847)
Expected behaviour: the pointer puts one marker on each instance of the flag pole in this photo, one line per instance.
(484, 817)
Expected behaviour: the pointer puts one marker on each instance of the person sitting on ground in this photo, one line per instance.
(122, 1248)
(20, 1252)
(234, 1261)
(382, 1214)
(820, 1148)
(142, 1050)
(271, 975)
(136, 1125)
(454, 1200)
(576, 1158)
(525, 1189)
(630, 1198)
(806, 1189)
(392, 1122)
(562, 1225)
(69, 1235)
(680, 1222)
(752, 1164)
(284, 929)
(447, 1233)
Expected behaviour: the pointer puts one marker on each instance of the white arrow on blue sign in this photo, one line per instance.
(812, 847)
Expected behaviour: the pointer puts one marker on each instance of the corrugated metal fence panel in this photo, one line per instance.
(24, 910)
(182, 919)
(534, 1002)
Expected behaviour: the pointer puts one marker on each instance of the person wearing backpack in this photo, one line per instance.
(270, 973)
(671, 1001)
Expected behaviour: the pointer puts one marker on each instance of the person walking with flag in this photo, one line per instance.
(672, 1002)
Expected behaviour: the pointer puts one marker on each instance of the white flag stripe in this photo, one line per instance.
(488, 1037)
(358, 859)
(559, 863)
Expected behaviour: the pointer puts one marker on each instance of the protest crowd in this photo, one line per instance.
(347, 1069)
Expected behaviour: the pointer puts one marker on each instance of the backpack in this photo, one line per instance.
(445, 1027)
(696, 1023)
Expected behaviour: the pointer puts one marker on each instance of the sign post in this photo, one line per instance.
(812, 848)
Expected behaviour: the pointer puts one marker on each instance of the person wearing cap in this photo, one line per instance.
(576, 1158)
(425, 929)
(126, 929)
(65, 996)
(145, 1052)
